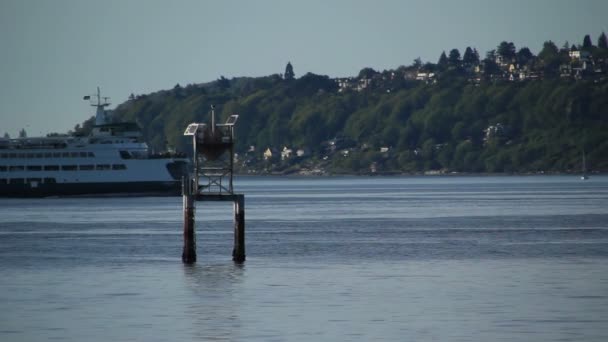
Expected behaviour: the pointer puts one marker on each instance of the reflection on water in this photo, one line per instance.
(213, 310)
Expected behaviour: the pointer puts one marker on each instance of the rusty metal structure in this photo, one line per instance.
(211, 180)
(213, 155)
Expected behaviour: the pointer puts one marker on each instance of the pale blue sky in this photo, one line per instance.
(54, 52)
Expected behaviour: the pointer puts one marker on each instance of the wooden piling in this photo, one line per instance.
(189, 251)
(238, 252)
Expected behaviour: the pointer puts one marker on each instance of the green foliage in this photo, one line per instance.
(602, 41)
(450, 125)
(442, 63)
(506, 50)
(470, 57)
(289, 74)
(587, 44)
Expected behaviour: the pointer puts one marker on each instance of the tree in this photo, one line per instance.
(442, 63)
(429, 67)
(417, 63)
(524, 56)
(602, 41)
(289, 74)
(549, 51)
(506, 51)
(367, 73)
(491, 55)
(6, 135)
(489, 64)
(454, 59)
(470, 57)
(587, 44)
(222, 82)
(22, 133)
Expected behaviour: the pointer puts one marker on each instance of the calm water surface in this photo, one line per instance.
(328, 259)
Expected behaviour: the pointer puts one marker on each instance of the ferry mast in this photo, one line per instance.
(100, 104)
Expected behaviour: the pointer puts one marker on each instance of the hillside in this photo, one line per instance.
(452, 126)
(463, 116)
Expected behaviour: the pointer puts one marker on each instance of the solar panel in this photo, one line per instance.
(232, 120)
(191, 129)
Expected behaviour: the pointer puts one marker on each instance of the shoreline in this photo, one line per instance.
(418, 174)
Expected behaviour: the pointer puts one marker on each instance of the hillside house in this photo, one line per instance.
(270, 153)
(301, 152)
(286, 153)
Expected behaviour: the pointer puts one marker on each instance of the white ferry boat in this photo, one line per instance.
(113, 159)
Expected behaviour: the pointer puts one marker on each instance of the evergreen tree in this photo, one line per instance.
(222, 82)
(602, 41)
(506, 51)
(491, 55)
(470, 57)
(490, 67)
(22, 133)
(524, 56)
(367, 73)
(550, 58)
(454, 59)
(587, 44)
(6, 135)
(417, 63)
(442, 63)
(289, 74)
(549, 51)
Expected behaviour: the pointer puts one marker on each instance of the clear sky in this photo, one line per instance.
(54, 52)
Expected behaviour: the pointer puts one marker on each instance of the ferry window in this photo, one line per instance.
(56, 154)
(17, 181)
(87, 167)
(91, 155)
(74, 154)
(29, 155)
(21, 155)
(51, 167)
(39, 155)
(103, 167)
(83, 154)
(119, 167)
(125, 154)
(2, 168)
(48, 155)
(50, 180)
(29, 180)
(4, 155)
(34, 168)
(68, 167)
(12, 155)
(65, 154)
(3, 181)
(16, 168)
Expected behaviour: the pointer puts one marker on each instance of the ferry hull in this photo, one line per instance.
(167, 188)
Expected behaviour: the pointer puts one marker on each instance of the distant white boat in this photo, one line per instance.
(113, 159)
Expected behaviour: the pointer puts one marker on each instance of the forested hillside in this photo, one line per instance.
(392, 122)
